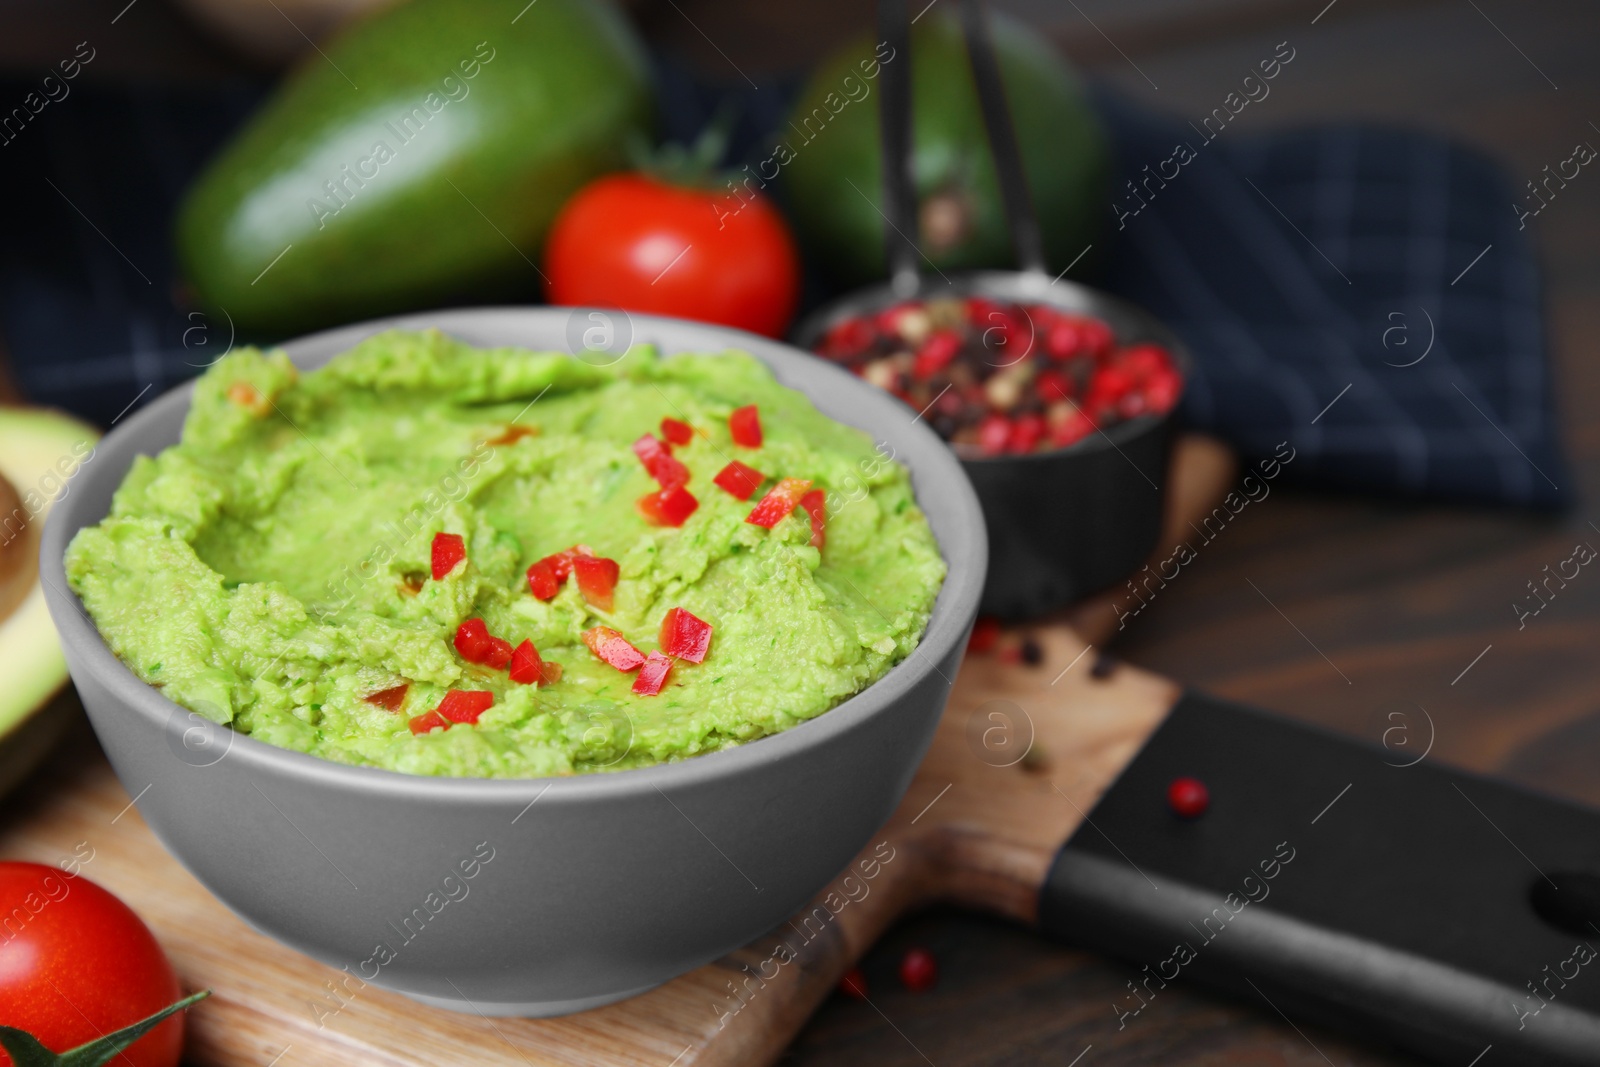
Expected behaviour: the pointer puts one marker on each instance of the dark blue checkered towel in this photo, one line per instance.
(1363, 293)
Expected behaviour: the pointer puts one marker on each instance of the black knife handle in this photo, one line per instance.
(1346, 885)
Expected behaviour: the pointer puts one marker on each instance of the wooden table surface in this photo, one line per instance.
(1401, 597)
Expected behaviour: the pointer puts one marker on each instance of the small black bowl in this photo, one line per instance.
(1066, 523)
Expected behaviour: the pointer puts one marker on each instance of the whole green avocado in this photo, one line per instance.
(419, 156)
(832, 143)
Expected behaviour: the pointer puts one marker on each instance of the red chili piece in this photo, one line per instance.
(389, 699)
(745, 426)
(685, 636)
(428, 720)
(465, 705)
(611, 647)
(448, 550)
(653, 675)
(545, 576)
(472, 640)
(919, 971)
(497, 654)
(779, 501)
(676, 431)
(815, 504)
(657, 459)
(542, 580)
(596, 580)
(854, 984)
(1188, 798)
(670, 507)
(528, 668)
(740, 480)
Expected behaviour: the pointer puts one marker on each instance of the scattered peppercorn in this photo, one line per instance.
(919, 971)
(1035, 760)
(1032, 654)
(1006, 378)
(985, 632)
(854, 984)
(1103, 666)
(1188, 798)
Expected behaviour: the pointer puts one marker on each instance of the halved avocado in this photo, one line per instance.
(40, 452)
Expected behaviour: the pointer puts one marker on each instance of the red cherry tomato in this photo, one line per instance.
(633, 242)
(76, 963)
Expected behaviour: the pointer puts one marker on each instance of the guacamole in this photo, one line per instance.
(279, 570)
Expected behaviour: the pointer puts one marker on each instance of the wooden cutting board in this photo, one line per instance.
(979, 826)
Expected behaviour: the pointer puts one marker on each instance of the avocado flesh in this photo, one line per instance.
(39, 451)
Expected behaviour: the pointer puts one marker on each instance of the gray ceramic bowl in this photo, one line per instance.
(597, 887)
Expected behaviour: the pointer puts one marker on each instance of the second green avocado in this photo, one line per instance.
(423, 153)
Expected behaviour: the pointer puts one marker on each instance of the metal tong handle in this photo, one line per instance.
(1014, 195)
(894, 119)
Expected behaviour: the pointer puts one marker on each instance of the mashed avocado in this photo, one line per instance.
(272, 570)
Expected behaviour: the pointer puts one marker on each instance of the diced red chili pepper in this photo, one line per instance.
(465, 705)
(528, 667)
(512, 434)
(815, 504)
(448, 550)
(745, 426)
(653, 675)
(740, 480)
(657, 459)
(676, 431)
(685, 636)
(936, 352)
(985, 632)
(611, 647)
(428, 720)
(497, 654)
(779, 501)
(561, 562)
(993, 433)
(542, 580)
(670, 507)
(389, 699)
(596, 580)
(472, 640)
